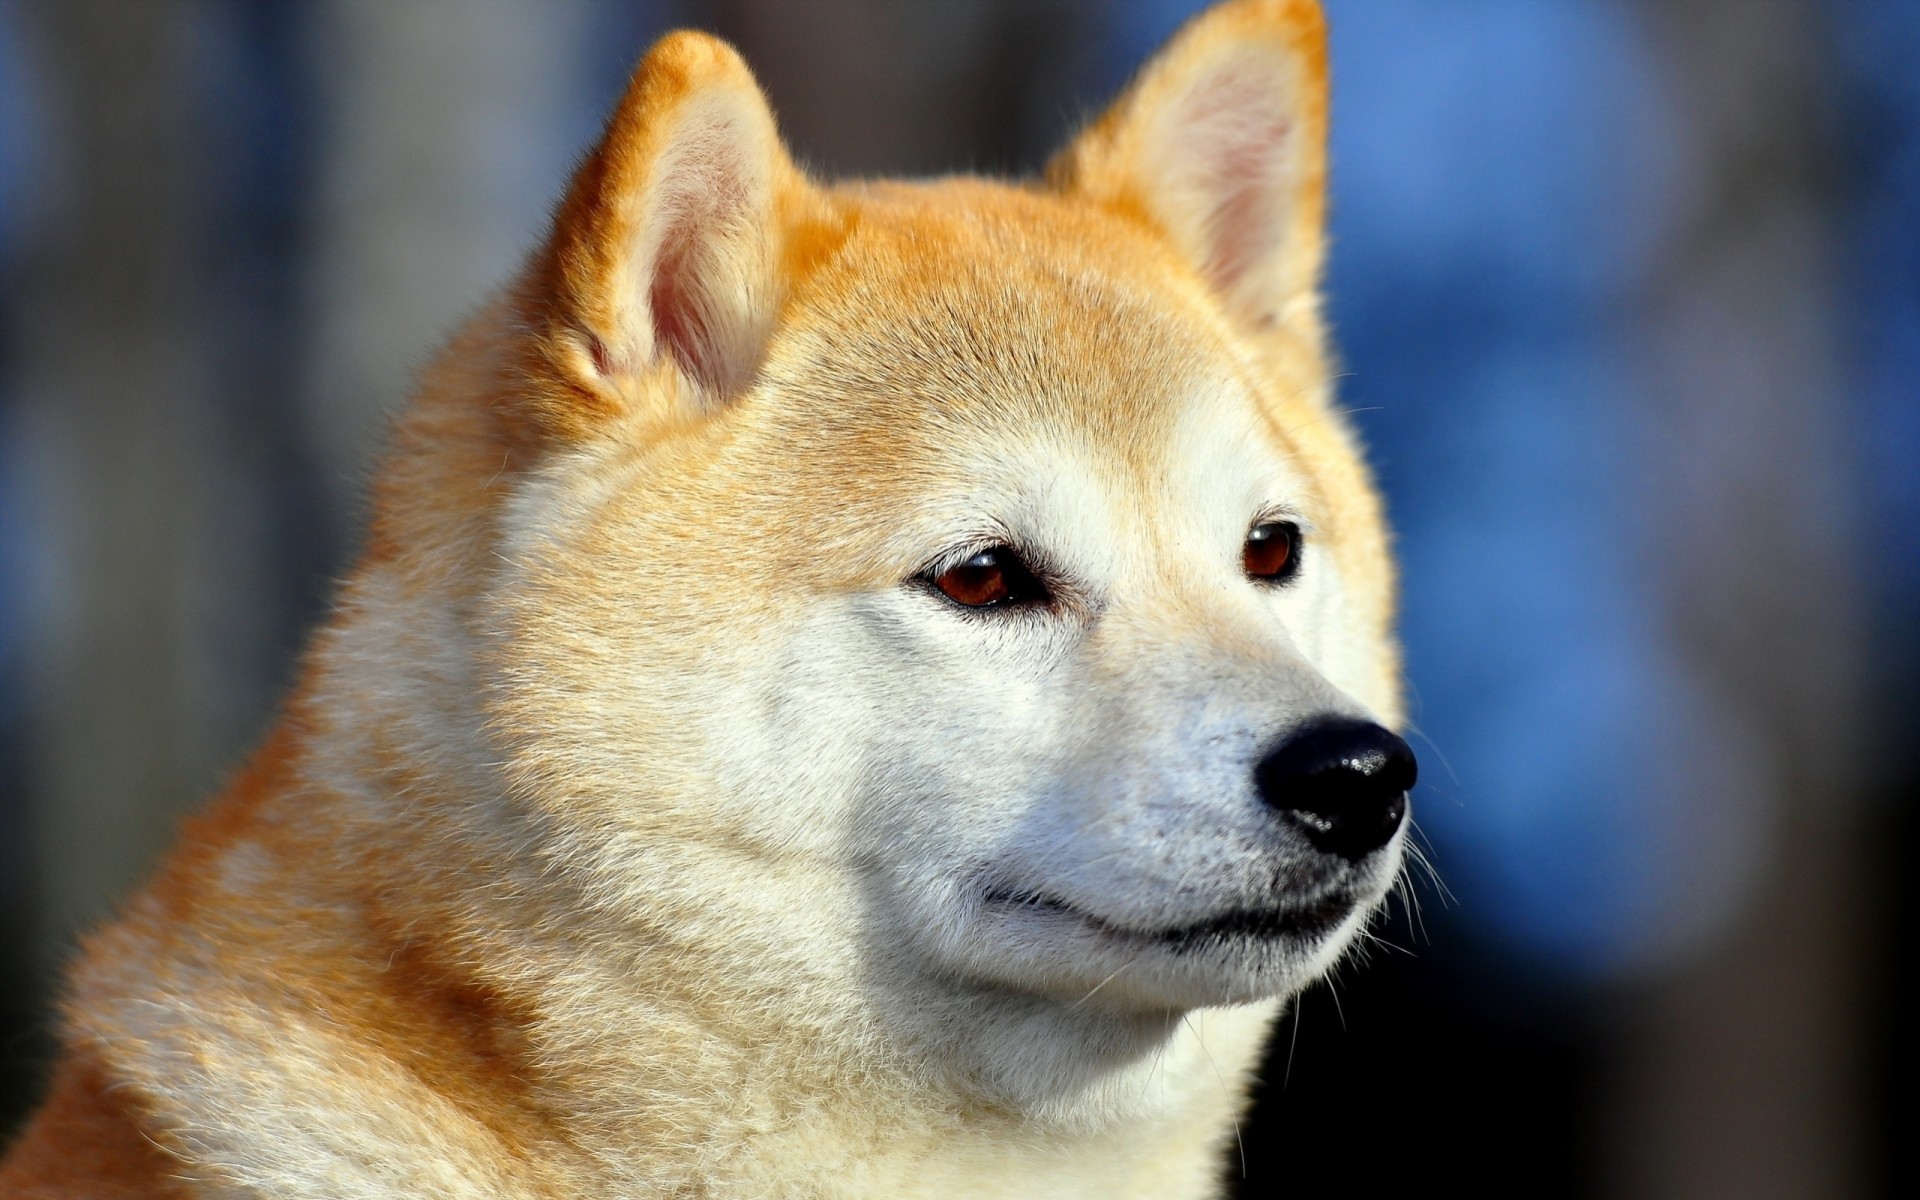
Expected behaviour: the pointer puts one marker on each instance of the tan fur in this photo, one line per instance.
(557, 878)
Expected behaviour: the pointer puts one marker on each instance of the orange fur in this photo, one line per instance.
(88, 1140)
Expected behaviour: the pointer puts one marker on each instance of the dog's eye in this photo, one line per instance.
(1272, 551)
(992, 578)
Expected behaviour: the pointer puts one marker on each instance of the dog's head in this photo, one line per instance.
(974, 579)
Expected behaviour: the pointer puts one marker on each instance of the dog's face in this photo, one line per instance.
(1049, 582)
(971, 580)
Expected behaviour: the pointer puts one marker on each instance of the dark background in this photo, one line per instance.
(1629, 297)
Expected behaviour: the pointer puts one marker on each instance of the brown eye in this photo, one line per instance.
(1271, 551)
(990, 579)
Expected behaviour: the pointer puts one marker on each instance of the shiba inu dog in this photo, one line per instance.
(877, 690)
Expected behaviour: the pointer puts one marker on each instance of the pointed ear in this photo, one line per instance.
(660, 283)
(1220, 143)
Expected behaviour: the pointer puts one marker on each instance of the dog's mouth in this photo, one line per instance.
(1310, 921)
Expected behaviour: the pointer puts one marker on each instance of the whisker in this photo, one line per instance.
(1333, 989)
(1104, 982)
(1222, 1081)
(1413, 728)
(1424, 860)
(1331, 410)
(1293, 1042)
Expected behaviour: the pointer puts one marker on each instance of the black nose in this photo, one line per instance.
(1344, 783)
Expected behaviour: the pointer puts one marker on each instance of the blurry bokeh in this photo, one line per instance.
(1629, 301)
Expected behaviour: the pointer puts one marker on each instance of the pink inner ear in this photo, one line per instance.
(703, 217)
(679, 320)
(1235, 136)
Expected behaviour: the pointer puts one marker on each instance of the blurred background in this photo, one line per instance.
(1628, 293)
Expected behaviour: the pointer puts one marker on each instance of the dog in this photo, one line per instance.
(863, 690)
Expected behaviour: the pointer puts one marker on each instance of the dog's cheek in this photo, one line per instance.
(844, 732)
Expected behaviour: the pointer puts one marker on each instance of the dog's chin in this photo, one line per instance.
(1235, 954)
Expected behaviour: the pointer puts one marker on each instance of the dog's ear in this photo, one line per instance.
(660, 283)
(1220, 143)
